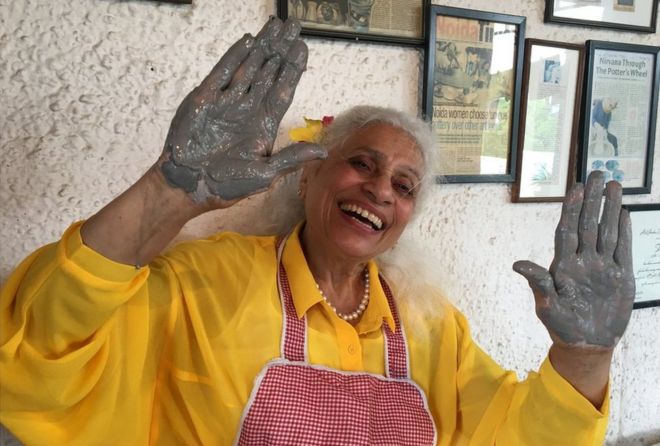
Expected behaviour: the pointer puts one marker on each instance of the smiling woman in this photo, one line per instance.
(293, 338)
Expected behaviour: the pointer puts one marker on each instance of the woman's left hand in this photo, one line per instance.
(585, 299)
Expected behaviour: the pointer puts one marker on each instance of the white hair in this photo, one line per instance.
(404, 266)
(364, 115)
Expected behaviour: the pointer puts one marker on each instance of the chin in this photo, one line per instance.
(360, 247)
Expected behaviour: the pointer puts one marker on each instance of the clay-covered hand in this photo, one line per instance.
(586, 297)
(220, 141)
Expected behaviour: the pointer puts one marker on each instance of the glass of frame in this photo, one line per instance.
(620, 105)
(471, 92)
(550, 109)
(629, 15)
(389, 21)
(645, 220)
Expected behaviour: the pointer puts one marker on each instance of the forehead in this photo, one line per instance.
(389, 144)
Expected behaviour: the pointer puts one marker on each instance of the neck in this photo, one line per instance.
(341, 279)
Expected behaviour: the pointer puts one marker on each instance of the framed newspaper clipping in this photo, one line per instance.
(398, 22)
(627, 15)
(619, 116)
(549, 125)
(645, 221)
(471, 94)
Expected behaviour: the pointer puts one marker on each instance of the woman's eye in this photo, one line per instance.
(404, 188)
(360, 165)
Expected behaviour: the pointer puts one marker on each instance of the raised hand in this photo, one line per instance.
(586, 297)
(220, 141)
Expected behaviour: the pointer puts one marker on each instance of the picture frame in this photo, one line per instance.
(626, 15)
(549, 124)
(379, 21)
(179, 2)
(645, 221)
(620, 105)
(471, 92)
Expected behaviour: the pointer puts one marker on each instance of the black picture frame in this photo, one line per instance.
(552, 75)
(333, 31)
(442, 100)
(179, 2)
(646, 239)
(610, 132)
(618, 15)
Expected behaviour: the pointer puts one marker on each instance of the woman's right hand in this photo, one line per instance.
(219, 145)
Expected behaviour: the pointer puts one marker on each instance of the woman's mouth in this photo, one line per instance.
(362, 215)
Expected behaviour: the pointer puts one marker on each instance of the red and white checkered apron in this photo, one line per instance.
(297, 403)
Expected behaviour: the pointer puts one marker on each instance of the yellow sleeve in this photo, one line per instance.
(544, 409)
(78, 354)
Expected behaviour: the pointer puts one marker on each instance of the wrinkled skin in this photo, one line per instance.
(220, 140)
(585, 299)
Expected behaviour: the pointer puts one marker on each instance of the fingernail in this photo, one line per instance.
(292, 29)
(249, 39)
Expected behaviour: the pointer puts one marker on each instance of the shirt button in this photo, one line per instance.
(351, 349)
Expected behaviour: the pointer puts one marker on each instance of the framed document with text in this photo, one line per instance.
(626, 15)
(472, 82)
(387, 21)
(550, 110)
(620, 105)
(645, 219)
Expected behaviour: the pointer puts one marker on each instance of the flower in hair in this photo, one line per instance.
(312, 131)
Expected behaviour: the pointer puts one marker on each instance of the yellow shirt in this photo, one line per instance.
(93, 352)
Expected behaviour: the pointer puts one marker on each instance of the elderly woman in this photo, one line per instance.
(296, 338)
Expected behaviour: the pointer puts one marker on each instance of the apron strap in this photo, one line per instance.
(396, 347)
(293, 346)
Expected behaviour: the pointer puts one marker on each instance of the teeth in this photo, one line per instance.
(377, 222)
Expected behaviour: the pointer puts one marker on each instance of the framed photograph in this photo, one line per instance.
(645, 220)
(387, 21)
(627, 15)
(472, 81)
(619, 113)
(550, 110)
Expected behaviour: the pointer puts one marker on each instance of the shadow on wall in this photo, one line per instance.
(651, 438)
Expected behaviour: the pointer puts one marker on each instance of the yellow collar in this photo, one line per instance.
(305, 294)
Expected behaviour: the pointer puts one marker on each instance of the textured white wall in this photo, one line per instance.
(88, 89)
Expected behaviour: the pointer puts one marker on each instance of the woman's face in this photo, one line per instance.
(359, 200)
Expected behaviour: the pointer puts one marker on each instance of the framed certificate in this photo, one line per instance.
(645, 219)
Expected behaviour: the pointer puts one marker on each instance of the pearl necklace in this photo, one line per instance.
(361, 307)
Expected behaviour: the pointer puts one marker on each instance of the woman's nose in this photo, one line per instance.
(379, 188)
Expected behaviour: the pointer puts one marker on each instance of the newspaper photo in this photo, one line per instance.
(401, 18)
(619, 116)
(472, 95)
